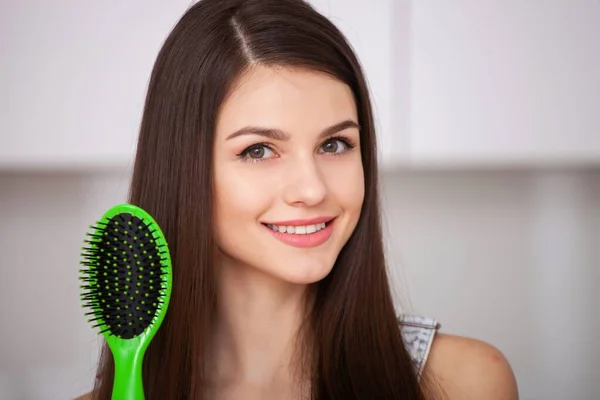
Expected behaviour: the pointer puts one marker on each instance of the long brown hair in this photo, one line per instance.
(357, 351)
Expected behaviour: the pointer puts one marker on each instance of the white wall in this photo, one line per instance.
(510, 257)
(503, 82)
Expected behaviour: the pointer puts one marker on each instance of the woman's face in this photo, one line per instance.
(288, 174)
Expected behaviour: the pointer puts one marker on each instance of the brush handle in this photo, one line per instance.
(128, 384)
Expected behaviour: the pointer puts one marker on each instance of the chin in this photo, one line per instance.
(302, 273)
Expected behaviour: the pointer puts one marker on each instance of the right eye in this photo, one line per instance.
(257, 152)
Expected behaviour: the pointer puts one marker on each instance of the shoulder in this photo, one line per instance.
(87, 396)
(466, 368)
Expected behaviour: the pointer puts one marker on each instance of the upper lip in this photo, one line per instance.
(301, 222)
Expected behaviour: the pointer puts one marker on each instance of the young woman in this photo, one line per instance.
(257, 157)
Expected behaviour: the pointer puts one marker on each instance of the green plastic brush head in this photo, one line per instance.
(126, 275)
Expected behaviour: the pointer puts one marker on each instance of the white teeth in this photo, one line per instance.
(297, 230)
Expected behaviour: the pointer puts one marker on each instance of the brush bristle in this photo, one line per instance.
(122, 275)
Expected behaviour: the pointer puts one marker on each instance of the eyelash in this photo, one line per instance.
(243, 156)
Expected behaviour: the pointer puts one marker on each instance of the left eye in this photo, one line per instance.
(334, 146)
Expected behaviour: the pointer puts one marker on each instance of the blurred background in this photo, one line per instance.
(489, 122)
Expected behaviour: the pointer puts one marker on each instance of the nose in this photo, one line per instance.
(304, 185)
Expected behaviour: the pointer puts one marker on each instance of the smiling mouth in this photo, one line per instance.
(299, 229)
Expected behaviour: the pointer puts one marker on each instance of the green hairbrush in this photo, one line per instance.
(126, 287)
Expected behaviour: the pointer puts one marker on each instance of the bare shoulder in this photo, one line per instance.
(87, 396)
(467, 368)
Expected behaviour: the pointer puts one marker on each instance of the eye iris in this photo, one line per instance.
(257, 152)
(331, 147)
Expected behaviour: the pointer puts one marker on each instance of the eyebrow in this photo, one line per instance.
(278, 134)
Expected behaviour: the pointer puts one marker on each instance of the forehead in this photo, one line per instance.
(288, 99)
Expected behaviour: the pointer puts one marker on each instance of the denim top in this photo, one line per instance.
(418, 333)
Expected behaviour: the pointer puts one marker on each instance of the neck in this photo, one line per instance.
(258, 320)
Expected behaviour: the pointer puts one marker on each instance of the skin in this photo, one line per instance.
(470, 369)
(263, 282)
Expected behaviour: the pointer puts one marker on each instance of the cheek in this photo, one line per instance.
(347, 186)
(238, 196)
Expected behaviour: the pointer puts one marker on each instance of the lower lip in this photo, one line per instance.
(308, 240)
